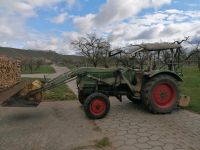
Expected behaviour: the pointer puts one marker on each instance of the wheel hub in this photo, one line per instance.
(97, 107)
(163, 95)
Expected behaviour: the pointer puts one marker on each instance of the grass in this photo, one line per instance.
(100, 144)
(104, 142)
(191, 87)
(41, 69)
(60, 93)
(71, 66)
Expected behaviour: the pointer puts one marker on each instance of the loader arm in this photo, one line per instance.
(27, 94)
(59, 80)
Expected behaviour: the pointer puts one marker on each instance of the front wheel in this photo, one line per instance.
(161, 94)
(96, 106)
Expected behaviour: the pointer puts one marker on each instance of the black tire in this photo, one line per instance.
(82, 97)
(133, 99)
(161, 94)
(97, 101)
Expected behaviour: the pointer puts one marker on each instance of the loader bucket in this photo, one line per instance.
(11, 97)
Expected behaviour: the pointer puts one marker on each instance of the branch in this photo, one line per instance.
(180, 42)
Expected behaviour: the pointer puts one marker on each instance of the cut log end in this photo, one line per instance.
(10, 72)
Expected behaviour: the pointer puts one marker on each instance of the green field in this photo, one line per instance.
(41, 69)
(191, 87)
(60, 93)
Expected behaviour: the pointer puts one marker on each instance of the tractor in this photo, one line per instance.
(155, 83)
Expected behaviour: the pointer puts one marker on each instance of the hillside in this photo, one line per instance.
(29, 54)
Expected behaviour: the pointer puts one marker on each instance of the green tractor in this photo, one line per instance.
(155, 83)
(157, 89)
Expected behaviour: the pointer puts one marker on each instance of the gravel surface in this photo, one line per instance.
(51, 126)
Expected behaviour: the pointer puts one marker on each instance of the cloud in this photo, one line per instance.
(118, 10)
(84, 23)
(155, 27)
(12, 29)
(156, 3)
(13, 24)
(50, 44)
(71, 2)
(24, 9)
(16, 8)
(5, 30)
(60, 19)
(41, 3)
(115, 11)
(60, 44)
(116, 19)
(70, 36)
(159, 26)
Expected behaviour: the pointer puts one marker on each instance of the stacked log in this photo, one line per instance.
(10, 72)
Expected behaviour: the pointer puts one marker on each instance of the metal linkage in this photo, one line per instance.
(61, 79)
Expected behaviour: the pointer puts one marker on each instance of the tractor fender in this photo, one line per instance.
(170, 73)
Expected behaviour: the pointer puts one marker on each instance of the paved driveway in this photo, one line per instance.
(130, 127)
(63, 125)
(51, 126)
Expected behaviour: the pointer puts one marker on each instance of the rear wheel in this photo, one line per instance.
(97, 106)
(161, 94)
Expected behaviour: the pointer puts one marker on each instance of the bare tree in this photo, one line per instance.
(125, 60)
(30, 65)
(195, 52)
(24, 64)
(104, 52)
(39, 62)
(186, 38)
(94, 48)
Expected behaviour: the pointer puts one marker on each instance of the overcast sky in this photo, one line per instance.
(53, 24)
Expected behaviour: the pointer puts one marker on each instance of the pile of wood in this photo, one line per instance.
(10, 72)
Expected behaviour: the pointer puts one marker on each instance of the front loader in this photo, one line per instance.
(158, 90)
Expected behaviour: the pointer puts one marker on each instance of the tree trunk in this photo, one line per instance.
(95, 64)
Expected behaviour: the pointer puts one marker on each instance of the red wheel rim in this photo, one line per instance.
(97, 107)
(164, 95)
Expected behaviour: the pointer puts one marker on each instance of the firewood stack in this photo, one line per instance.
(10, 72)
